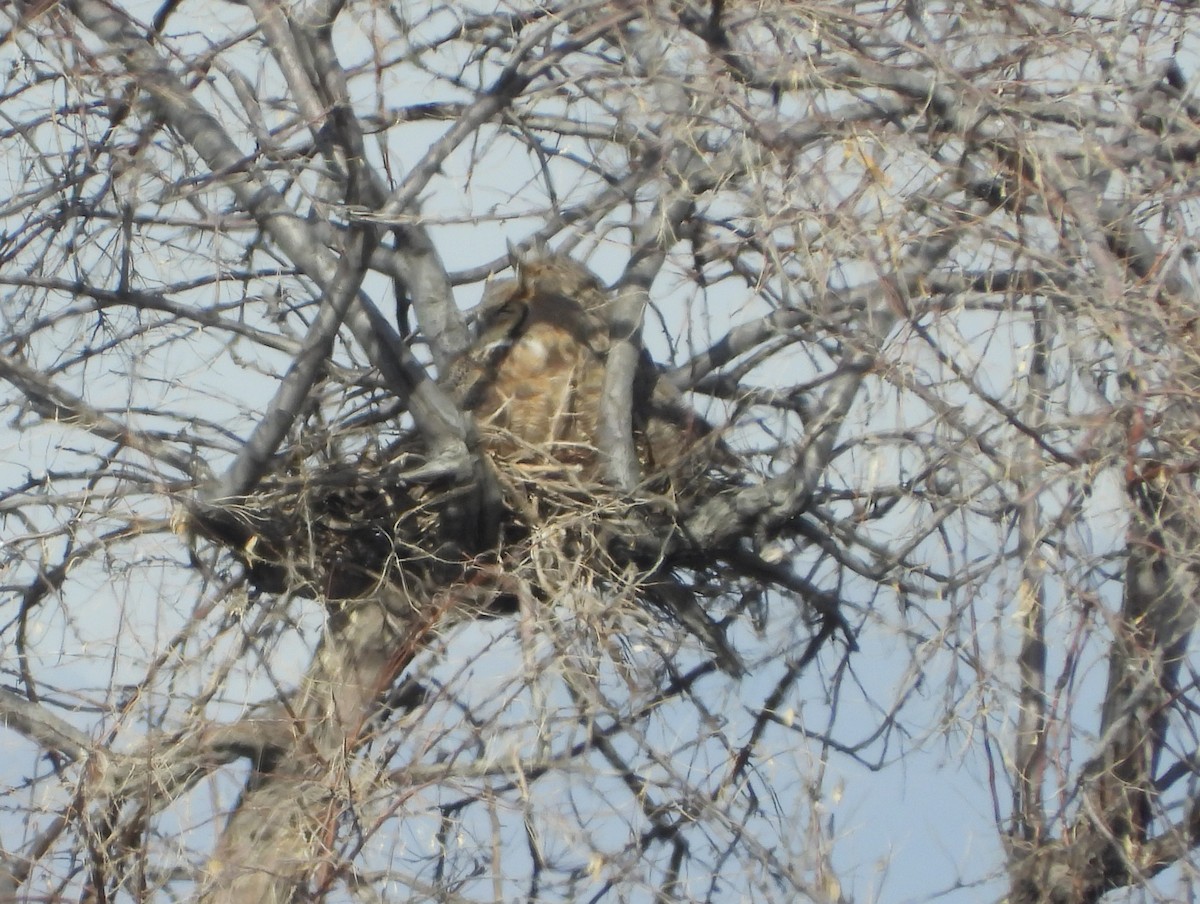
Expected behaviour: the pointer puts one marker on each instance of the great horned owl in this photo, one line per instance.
(536, 373)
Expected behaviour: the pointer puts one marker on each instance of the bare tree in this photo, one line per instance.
(803, 329)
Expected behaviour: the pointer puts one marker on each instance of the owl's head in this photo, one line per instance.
(548, 289)
(556, 276)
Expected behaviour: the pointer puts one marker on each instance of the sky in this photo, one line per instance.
(918, 826)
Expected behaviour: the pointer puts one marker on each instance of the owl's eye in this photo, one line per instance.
(499, 326)
(506, 319)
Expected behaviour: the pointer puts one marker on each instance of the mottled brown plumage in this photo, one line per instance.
(535, 375)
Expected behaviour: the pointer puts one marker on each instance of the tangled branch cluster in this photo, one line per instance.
(532, 379)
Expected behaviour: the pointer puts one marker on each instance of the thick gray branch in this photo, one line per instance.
(307, 366)
(42, 727)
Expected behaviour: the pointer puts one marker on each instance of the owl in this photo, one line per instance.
(534, 377)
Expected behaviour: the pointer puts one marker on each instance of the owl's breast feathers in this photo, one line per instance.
(544, 393)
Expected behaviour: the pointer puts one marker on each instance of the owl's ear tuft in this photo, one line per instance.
(521, 270)
(515, 258)
(523, 261)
